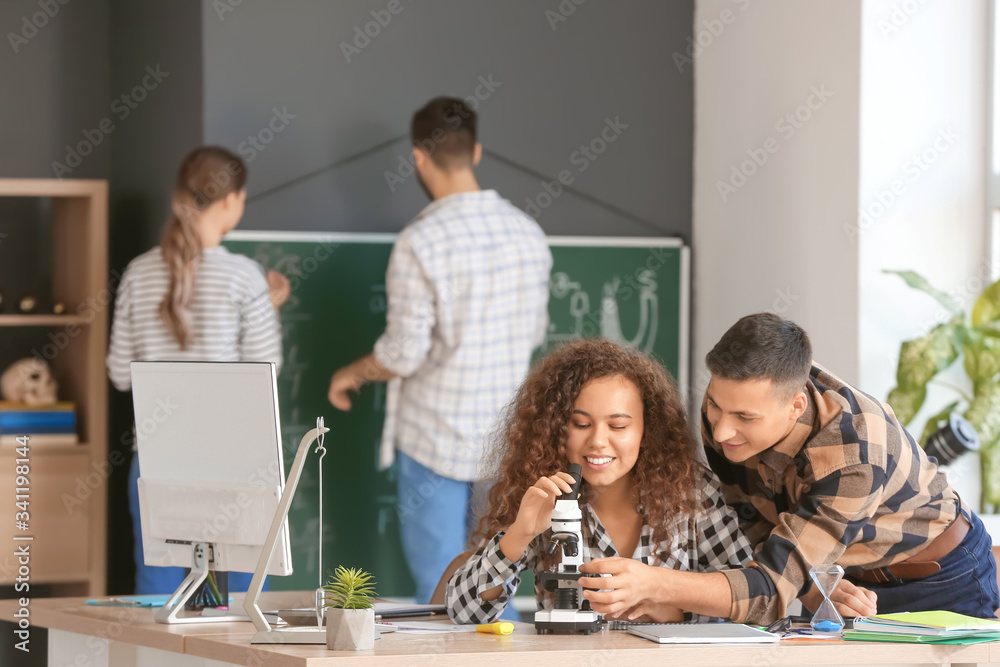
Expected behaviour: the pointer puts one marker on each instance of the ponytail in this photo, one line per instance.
(181, 248)
(207, 174)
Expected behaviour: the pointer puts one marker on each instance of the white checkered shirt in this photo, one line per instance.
(707, 542)
(467, 290)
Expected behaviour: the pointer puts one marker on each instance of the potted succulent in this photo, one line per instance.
(350, 612)
(976, 337)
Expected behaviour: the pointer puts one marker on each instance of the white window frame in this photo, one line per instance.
(993, 142)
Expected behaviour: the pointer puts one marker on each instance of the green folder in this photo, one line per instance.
(945, 620)
(918, 639)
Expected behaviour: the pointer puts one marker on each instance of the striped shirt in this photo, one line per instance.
(231, 316)
(467, 291)
(847, 485)
(705, 542)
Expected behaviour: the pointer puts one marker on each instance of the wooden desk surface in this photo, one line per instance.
(135, 625)
(606, 649)
(230, 642)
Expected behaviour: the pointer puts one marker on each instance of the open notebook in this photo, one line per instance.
(702, 633)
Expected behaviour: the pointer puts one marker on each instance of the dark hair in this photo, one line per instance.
(445, 129)
(531, 437)
(207, 174)
(763, 347)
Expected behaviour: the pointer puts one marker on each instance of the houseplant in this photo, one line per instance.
(975, 336)
(350, 612)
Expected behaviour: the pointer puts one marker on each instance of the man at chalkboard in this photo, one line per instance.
(467, 291)
(820, 473)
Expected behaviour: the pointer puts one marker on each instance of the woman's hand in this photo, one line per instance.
(848, 599)
(279, 288)
(629, 593)
(534, 515)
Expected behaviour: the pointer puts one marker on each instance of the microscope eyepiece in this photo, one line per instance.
(575, 470)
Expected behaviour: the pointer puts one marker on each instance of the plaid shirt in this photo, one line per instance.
(847, 485)
(709, 541)
(468, 291)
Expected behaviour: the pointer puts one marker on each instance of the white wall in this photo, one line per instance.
(777, 243)
(901, 140)
(923, 103)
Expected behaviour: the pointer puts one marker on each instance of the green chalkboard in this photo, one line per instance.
(631, 290)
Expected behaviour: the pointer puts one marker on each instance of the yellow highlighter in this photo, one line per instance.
(496, 628)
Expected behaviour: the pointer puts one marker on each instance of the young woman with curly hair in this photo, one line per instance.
(644, 496)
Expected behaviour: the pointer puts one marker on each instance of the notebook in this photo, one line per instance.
(391, 609)
(927, 624)
(702, 633)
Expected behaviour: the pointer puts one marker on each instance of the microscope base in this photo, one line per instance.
(566, 622)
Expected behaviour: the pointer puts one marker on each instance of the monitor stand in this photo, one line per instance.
(199, 573)
(265, 633)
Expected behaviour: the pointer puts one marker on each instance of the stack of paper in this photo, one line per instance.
(926, 627)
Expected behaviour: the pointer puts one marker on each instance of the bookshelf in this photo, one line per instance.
(68, 483)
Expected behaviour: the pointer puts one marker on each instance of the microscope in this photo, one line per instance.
(570, 614)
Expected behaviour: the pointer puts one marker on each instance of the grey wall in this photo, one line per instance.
(147, 147)
(556, 88)
(54, 87)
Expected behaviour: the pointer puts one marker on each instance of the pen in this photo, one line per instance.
(496, 628)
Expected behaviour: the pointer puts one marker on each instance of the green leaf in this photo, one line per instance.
(937, 421)
(917, 281)
(349, 588)
(984, 413)
(923, 358)
(990, 461)
(982, 356)
(989, 329)
(987, 306)
(906, 402)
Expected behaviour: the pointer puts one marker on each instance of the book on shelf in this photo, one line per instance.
(14, 419)
(37, 429)
(40, 439)
(14, 406)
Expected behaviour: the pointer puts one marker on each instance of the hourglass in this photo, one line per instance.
(826, 578)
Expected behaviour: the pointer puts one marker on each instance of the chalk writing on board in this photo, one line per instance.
(649, 306)
(606, 320)
(376, 300)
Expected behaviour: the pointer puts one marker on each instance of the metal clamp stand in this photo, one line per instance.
(265, 634)
(199, 573)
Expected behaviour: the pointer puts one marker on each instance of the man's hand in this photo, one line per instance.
(632, 593)
(343, 382)
(279, 287)
(848, 599)
(353, 376)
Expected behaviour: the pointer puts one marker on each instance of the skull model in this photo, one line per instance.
(28, 381)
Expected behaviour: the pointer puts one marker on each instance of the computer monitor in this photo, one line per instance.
(211, 471)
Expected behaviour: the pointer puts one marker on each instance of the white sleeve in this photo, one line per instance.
(122, 350)
(260, 328)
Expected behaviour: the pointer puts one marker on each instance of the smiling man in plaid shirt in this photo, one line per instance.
(820, 473)
(467, 288)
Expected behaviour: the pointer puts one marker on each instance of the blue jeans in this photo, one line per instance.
(435, 522)
(152, 580)
(966, 584)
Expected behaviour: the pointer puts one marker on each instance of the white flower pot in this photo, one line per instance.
(350, 629)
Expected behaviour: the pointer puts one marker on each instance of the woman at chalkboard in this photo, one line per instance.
(190, 299)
